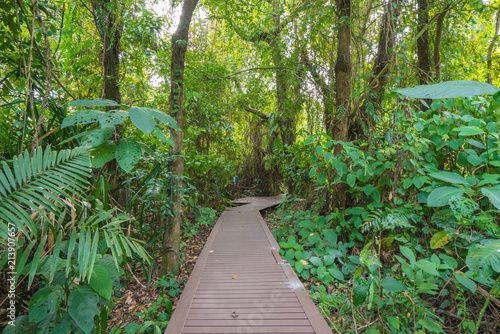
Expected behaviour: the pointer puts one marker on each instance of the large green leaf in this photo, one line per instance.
(468, 130)
(82, 307)
(449, 90)
(493, 194)
(486, 254)
(440, 196)
(94, 103)
(128, 153)
(164, 118)
(467, 282)
(82, 117)
(392, 284)
(103, 153)
(101, 282)
(113, 117)
(98, 136)
(143, 119)
(449, 177)
(44, 302)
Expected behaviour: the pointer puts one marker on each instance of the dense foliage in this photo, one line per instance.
(120, 133)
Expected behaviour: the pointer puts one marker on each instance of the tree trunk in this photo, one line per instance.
(109, 28)
(437, 45)
(492, 45)
(343, 72)
(386, 45)
(171, 239)
(424, 62)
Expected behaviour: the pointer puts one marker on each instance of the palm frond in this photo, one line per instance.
(40, 184)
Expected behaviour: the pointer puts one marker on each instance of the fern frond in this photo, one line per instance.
(39, 184)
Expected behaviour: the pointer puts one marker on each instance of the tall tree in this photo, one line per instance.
(109, 27)
(437, 42)
(339, 124)
(492, 45)
(424, 61)
(110, 31)
(171, 239)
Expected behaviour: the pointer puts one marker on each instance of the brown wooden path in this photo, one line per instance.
(240, 285)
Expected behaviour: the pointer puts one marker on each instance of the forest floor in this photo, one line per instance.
(136, 297)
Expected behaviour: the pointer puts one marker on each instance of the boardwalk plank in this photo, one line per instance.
(238, 286)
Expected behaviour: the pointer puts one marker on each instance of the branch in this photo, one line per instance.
(254, 111)
(255, 69)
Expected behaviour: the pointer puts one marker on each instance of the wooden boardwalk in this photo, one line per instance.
(241, 285)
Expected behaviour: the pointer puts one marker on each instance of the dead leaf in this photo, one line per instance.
(234, 277)
(129, 300)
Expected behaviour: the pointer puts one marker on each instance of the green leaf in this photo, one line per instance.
(113, 117)
(337, 274)
(468, 130)
(128, 153)
(307, 224)
(107, 263)
(316, 261)
(312, 172)
(44, 302)
(321, 178)
(330, 235)
(299, 266)
(392, 284)
(474, 160)
(82, 117)
(82, 307)
(440, 196)
(394, 322)
(94, 103)
(103, 153)
(436, 105)
(164, 118)
(493, 195)
(359, 294)
(142, 118)
(449, 103)
(427, 266)
(468, 283)
(439, 240)
(449, 177)
(98, 136)
(408, 253)
(449, 90)
(351, 180)
(431, 325)
(484, 255)
(492, 127)
(101, 282)
(36, 260)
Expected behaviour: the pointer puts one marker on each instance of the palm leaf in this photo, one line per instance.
(39, 184)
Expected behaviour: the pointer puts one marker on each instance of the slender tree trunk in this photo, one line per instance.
(285, 108)
(424, 62)
(171, 239)
(110, 31)
(437, 45)
(492, 45)
(343, 72)
(385, 51)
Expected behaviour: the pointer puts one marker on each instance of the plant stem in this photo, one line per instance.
(478, 322)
